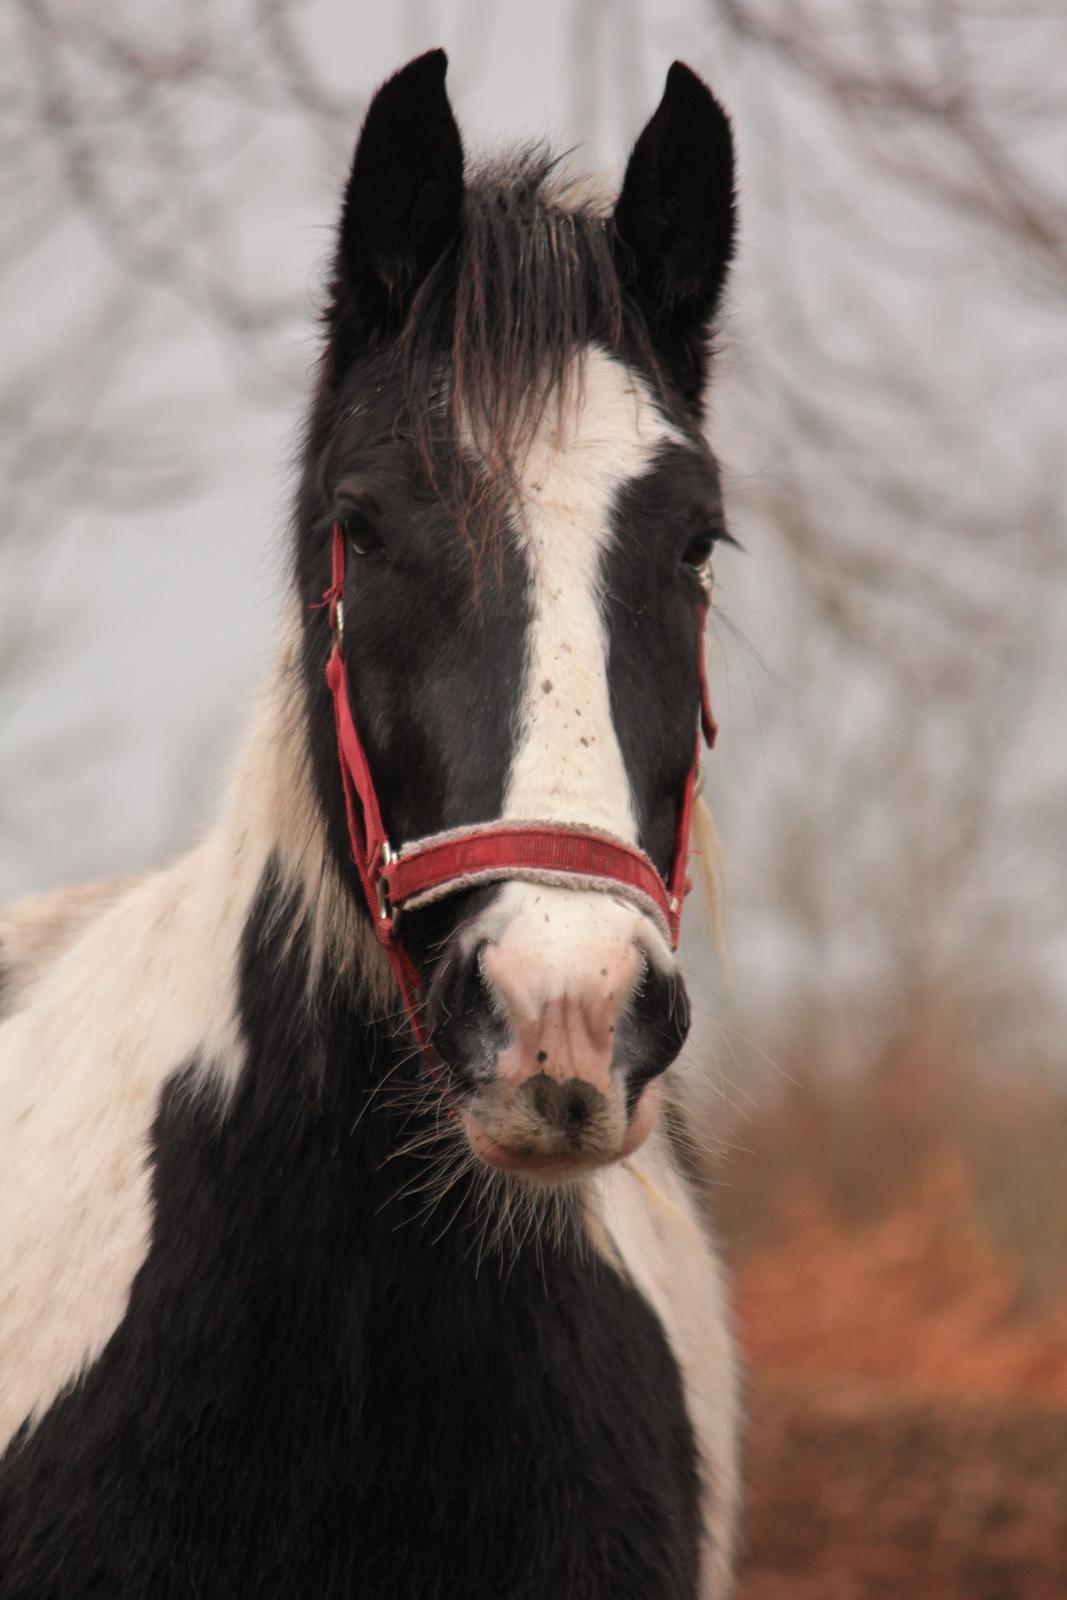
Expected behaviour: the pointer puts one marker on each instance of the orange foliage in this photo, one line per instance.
(919, 1298)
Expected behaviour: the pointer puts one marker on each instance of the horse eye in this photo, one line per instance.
(698, 550)
(360, 533)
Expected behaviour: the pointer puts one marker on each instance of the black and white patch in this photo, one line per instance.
(312, 1394)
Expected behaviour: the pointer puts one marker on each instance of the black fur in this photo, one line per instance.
(654, 612)
(404, 198)
(316, 1395)
(675, 223)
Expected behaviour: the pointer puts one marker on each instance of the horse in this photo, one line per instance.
(350, 1243)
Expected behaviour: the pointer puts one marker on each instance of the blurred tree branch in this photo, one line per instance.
(903, 348)
(940, 72)
(127, 149)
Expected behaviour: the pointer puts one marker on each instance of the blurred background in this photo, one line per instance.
(888, 656)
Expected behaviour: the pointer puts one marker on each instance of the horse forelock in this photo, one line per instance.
(497, 335)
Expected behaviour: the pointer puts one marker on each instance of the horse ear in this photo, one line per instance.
(404, 197)
(674, 220)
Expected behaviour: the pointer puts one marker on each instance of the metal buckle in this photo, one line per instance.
(386, 912)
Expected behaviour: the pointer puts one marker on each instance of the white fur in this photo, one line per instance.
(81, 1068)
(643, 1219)
(568, 765)
(34, 931)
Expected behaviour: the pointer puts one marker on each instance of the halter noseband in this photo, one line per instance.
(440, 864)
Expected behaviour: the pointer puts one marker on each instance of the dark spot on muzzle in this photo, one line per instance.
(569, 1107)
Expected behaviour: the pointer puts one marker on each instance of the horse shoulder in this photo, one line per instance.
(106, 1019)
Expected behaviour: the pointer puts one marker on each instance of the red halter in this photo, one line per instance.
(442, 863)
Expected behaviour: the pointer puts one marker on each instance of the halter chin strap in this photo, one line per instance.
(440, 864)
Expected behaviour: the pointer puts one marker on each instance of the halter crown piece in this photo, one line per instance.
(461, 858)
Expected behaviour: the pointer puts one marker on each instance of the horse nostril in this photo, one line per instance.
(464, 1029)
(576, 1111)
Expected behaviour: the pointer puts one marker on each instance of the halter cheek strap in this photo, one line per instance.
(440, 864)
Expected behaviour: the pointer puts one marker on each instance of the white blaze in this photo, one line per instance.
(568, 766)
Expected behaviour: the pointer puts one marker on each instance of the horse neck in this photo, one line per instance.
(310, 1075)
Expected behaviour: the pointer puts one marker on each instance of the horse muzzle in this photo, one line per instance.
(554, 1015)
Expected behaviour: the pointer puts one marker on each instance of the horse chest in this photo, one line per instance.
(302, 1402)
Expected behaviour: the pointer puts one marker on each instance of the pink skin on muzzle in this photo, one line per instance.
(570, 1040)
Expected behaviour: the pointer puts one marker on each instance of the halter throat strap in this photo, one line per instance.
(534, 850)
